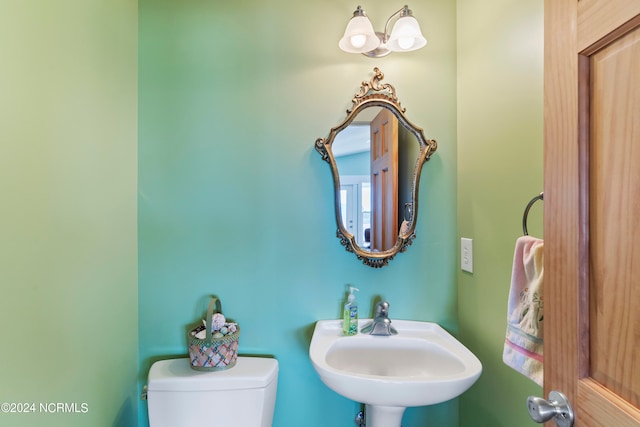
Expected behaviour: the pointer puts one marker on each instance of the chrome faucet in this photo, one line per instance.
(381, 324)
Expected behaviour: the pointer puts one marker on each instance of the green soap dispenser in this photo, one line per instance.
(350, 314)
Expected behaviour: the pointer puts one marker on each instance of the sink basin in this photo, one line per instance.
(422, 365)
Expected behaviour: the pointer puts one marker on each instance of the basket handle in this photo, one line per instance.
(218, 307)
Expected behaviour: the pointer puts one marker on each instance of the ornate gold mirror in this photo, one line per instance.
(376, 156)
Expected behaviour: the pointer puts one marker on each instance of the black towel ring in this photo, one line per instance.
(526, 212)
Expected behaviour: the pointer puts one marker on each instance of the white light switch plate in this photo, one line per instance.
(466, 254)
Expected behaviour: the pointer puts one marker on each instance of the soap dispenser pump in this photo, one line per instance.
(350, 314)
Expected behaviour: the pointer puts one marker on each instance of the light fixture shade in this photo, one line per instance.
(406, 35)
(359, 36)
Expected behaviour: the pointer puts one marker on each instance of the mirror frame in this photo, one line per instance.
(375, 94)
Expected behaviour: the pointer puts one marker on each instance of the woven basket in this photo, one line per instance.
(213, 354)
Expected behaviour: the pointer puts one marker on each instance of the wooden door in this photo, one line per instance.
(592, 208)
(384, 181)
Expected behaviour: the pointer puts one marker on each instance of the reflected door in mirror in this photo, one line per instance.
(384, 180)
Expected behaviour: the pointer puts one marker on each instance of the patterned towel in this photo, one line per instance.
(524, 339)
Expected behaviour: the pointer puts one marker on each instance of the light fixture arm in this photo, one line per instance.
(404, 11)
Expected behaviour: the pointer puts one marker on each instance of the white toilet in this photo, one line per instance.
(242, 396)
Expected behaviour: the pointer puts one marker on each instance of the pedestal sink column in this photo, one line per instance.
(383, 416)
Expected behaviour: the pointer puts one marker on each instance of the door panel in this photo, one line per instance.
(384, 180)
(615, 211)
(592, 204)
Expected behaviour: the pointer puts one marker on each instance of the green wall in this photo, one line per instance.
(235, 201)
(499, 171)
(354, 164)
(68, 249)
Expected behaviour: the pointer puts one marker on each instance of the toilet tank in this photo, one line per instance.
(242, 396)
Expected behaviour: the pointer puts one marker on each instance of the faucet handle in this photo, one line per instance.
(382, 309)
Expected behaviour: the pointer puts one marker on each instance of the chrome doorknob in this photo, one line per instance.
(556, 408)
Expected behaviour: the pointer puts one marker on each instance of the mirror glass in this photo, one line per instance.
(376, 156)
(374, 149)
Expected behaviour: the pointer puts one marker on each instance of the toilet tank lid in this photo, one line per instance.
(177, 375)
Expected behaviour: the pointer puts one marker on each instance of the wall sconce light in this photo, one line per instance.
(359, 36)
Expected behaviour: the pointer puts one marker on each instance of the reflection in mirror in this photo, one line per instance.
(376, 156)
(375, 159)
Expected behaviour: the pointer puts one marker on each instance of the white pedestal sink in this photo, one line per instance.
(422, 365)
